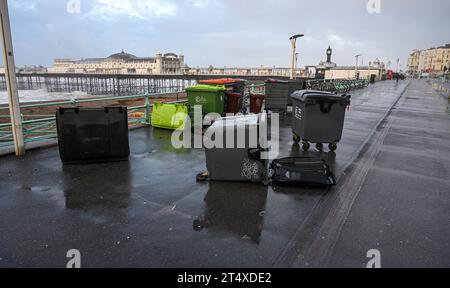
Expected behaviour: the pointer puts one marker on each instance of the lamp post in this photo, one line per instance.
(382, 66)
(11, 84)
(356, 66)
(294, 53)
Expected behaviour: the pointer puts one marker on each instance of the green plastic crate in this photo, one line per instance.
(169, 116)
(211, 98)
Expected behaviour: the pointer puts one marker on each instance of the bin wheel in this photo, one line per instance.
(333, 146)
(305, 146)
(319, 146)
(199, 224)
(296, 139)
(202, 177)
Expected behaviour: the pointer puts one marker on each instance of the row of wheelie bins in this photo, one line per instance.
(318, 117)
(225, 96)
(221, 96)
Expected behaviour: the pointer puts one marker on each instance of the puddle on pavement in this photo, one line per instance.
(164, 141)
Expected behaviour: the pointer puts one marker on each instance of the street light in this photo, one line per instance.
(294, 56)
(356, 66)
(10, 75)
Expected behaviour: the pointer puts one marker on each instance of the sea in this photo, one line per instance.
(30, 96)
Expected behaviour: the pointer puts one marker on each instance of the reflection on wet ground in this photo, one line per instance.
(85, 188)
(230, 208)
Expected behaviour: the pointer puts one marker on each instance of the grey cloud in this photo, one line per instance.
(232, 32)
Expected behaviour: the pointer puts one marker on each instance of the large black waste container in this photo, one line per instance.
(234, 158)
(277, 94)
(318, 117)
(306, 171)
(93, 134)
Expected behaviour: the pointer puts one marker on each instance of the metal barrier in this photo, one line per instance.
(43, 127)
(441, 86)
(337, 85)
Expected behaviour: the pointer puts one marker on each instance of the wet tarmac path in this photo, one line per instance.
(143, 213)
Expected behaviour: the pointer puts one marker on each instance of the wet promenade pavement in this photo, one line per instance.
(392, 165)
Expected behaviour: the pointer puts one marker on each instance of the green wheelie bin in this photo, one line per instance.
(211, 98)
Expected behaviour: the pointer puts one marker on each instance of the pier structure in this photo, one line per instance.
(111, 84)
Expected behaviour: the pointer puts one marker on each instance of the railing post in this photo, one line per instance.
(147, 109)
(10, 73)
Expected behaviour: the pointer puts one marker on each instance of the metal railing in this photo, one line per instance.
(40, 127)
(441, 86)
(337, 85)
(43, 127)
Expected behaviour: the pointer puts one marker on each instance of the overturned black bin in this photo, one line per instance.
(93, 134)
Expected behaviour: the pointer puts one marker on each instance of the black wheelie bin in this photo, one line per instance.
(93, 134)
(318, 117)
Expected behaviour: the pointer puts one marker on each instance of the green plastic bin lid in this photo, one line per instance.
(206, 88)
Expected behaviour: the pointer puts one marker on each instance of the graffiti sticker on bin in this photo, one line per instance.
(201, 100)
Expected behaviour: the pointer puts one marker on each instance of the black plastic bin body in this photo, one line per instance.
(237, 163)
(93, 134)
(300, 171)
(277, 94)
(318, 117)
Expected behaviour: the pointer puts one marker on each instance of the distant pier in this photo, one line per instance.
(113, 84)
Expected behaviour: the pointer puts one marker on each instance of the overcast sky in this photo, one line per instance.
(227, 33)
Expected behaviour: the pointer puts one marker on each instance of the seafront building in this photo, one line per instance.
(433, 60)
(171, 64)
(255, 71)
(122, 63)
(329, 70)
(162, 64)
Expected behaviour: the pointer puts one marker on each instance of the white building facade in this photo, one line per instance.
(122, 63)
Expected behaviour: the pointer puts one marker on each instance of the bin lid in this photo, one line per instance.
(225, 81)
(304, 95)
(205, 88)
